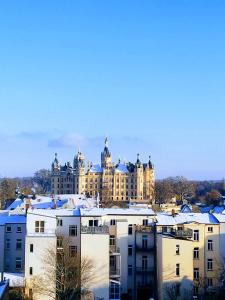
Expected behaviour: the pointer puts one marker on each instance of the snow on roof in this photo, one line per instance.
(220, 217)
(54, 212)
(121, 168)
(48, 202)
(184, 218)
(12, 219)
(96, 169)
(116, 211)
(15, 204)
(15, 279)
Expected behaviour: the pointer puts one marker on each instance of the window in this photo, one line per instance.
(18, 244)
(210, 229)
(145, 222)
(112, 263)
(144, 241)
(210, 245)
(196, 273)
(130, 270)
(59, 222)
(31, 271)
(8, 228)
(39, 226)
(196, 235)
(19, 229)
(31, 248)
(18, 263)
(209, 282)
(177, 269)
(130, 250)
(8, 244)
(164, 229)
(59, 242)
(196, 253)
(93, 223)
(73, 251)
(112, 222)
(209, 264)
(144, 262)
(177, 249)
(30, 294)
(195, 290)
(112, 240)
(114, 290)
(130, 229)
(73, 230)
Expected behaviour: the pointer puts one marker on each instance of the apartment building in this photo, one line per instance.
(12, 243)
(120, 243)
(203, 231)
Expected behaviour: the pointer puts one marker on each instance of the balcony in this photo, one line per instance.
(114, 250)
(95, 229)
(144, 248)
(114, 273)
(184, 233)
(144, 228)
(147, 270)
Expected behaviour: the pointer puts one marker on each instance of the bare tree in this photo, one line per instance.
(65, 275)
(43, 179)
(7, 191)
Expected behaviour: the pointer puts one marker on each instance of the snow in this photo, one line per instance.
(12, 219)
(96, 169)
(220, 217)
(54, 212)
(121, 168)
(116, 211)
(185, 218)
(48, 202)
(15, 279)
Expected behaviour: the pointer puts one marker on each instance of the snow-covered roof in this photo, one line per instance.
(220, 217)
(49, 202)
(15, 279)
(54, 212)
(121, 168)
(185, 218)
(116, 211)
(12, 219)
(96, 169)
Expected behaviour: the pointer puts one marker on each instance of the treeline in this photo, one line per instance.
(180, 188)
(40, 183)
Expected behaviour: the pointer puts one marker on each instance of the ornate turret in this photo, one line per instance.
(55, 164)
(150, 165)
(138, 162)
(79, 162)
(106, 158)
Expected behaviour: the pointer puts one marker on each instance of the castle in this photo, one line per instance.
(112, 182)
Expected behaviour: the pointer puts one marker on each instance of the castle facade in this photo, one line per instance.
(112, 182)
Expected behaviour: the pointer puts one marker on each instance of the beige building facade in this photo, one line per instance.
(112, 182)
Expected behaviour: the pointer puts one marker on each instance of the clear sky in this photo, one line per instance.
(148, 74)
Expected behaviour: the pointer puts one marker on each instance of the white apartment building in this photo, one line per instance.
(120, 242)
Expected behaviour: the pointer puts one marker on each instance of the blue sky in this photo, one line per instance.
(148, 74)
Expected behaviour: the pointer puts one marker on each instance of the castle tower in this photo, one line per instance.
(106, 157)
(79, 173)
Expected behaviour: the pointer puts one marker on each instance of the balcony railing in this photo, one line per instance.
(144, 248)
(114, 272)
(95, 229)
(114, 249)
(144, 228)
(182, 233)
(145, 270)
